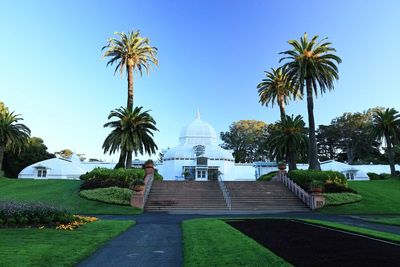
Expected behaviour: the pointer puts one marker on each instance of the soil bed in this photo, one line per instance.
(307, 245)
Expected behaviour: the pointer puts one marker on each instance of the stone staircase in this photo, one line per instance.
(185, 195)
(266, 197)
(270, 196)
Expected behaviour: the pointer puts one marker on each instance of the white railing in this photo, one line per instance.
(225, 192)
(299, 192)
(148, 185)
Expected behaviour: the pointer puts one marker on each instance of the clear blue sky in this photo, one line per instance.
(212, 55)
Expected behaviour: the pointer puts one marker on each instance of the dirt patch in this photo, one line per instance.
(307, 245)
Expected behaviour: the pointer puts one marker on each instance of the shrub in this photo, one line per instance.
(334, 199)
(267, 177)
(17, 214)
(374, 176)
(157, 176)
(114, 174)
(304, 177)
(113, 195)
(103, 183)
(337, 188)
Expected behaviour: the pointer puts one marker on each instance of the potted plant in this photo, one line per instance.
(282, 165)
(149, 166)
(137, 185)
(186, 173)
(316, 186)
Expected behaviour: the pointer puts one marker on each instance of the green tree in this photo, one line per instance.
(312, 65)
(3, 108)
(386, 125)
(288, 140)
(13, 135)
(132, 133)
(130, 52)
(247, 139)
(276, 87)
(34, 151)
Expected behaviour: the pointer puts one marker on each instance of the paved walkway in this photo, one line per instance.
(156, 240)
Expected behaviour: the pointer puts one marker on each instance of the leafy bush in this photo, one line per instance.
(113, 195)
(304, 177)
(375, 176)
(157, 176)
(17, 214)
(267, 177)
(334, 199)
(337, 188)
(114, 174)
(98, 182)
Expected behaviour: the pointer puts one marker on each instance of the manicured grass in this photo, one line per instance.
(379, 197)
(389, 220)
(334, 199)
(52, 247)
(56, 192)
(367, 232)
(211, 242)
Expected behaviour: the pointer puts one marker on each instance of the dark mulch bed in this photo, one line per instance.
(307, 245)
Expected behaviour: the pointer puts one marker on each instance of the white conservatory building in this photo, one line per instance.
(199, 157)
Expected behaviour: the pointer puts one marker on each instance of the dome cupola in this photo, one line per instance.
(198, 132)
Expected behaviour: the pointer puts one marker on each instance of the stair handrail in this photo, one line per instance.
(225, 192)
(148, 184)
(299, 192)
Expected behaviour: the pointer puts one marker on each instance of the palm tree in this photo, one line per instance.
(313, 65)
(386, 124)
(13, 135)
(289, 140)
(276, 87)
(130, 53)
(133, 132)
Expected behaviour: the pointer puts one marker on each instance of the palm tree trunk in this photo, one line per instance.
(121, 160)
(390, 154)
(281, 104)
(129, 70)
(2, 148)
(129, 160)
(312, 145)
(292, 158)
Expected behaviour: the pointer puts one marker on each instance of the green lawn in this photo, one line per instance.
(52, 247)
(379, 197)
(367, 232)
(211, 242)
(62, 193)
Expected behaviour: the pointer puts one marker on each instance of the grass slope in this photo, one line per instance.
(211, 242)
(51, 247)
(367, 232)
(62, 193)
(388, 220)
(379, 197)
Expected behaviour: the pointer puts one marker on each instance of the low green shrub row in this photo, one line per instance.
(304, 177)
(267, 177)
(335, 199)
(375, 176)
(98, 182)
(121, 174)
(19, 214)
(113, 195)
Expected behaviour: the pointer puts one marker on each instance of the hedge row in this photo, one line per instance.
(267, 177)
(127, 175)
(375, 176)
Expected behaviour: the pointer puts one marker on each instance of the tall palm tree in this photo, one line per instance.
(13, 135)
(386, 124)
(132, 133)
(276, 87)
(312, 65)
(289, 140)
(130, 53)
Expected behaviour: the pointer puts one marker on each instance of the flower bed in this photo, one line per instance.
(40, 215)
(113, 195)
(20, 214)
